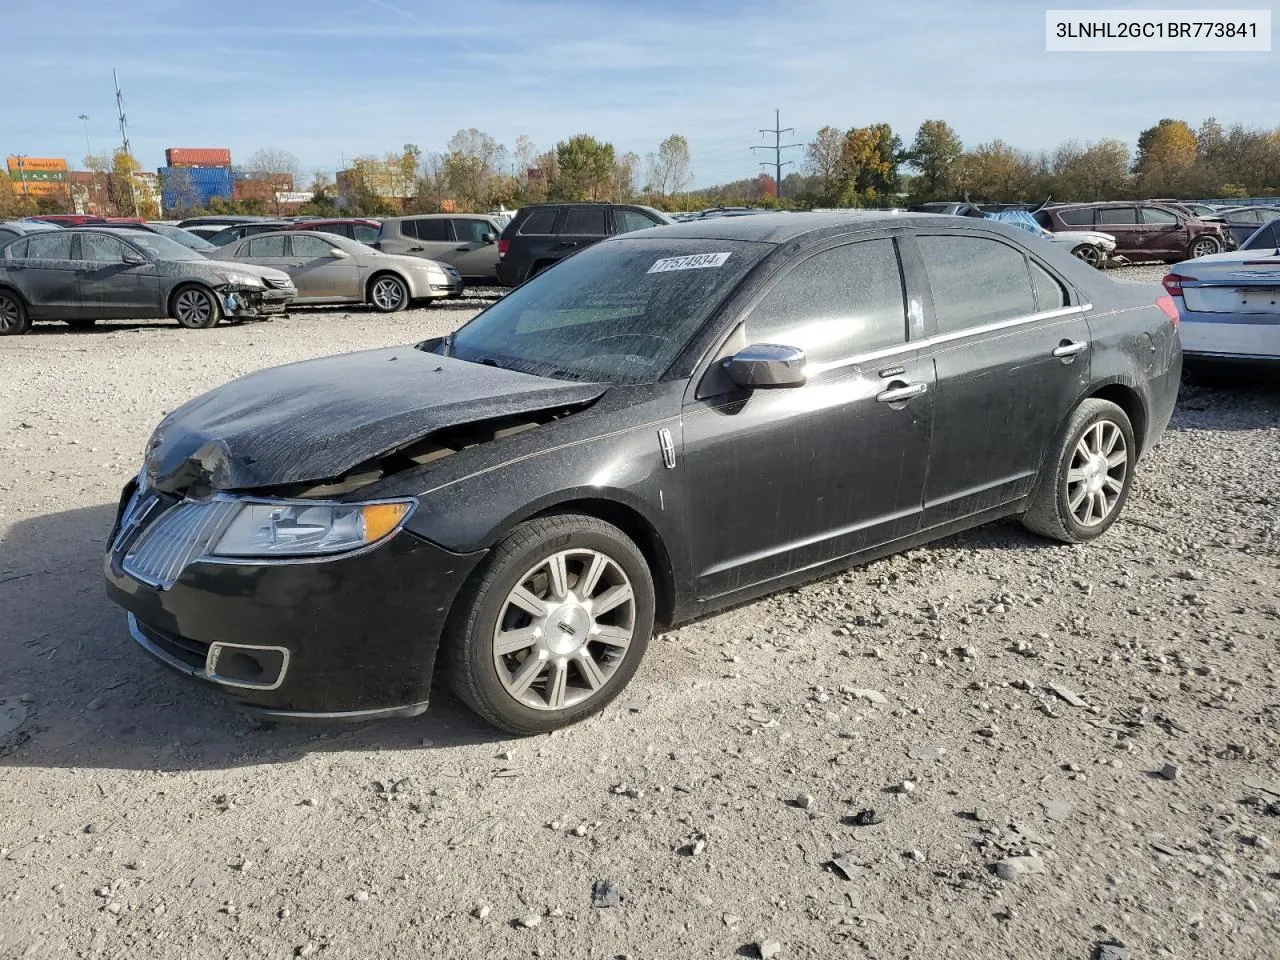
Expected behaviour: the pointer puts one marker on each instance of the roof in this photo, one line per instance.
(784, 227)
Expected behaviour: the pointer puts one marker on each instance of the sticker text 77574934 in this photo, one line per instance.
(695, 261)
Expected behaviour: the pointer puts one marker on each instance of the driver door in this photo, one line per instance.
(473, 256)
(112, 288)
(784, 479)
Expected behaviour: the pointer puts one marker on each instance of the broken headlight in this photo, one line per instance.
(301, 528)
(231, 278)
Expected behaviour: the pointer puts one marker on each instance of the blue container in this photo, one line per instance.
(195, 186)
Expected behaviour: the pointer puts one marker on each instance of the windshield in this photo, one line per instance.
(181, 236)
(618, 312)
(344, 243)
(162, 248)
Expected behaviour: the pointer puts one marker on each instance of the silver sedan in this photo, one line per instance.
(327, 268)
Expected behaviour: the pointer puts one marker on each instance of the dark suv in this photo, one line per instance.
(544, 233)
(1143, 231)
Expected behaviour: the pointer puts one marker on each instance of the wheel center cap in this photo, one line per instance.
(1097, 471)
(567, 628)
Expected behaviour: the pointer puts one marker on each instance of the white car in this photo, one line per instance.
(1090, 246)
(1229, 305)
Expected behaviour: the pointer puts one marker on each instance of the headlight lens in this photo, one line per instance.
(242, 279)
(308, 529)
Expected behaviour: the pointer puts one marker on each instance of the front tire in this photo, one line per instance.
(1087, 475)
(388, 294)
(1089, 254)
(14, 319)
(553, 626)
(196, 308)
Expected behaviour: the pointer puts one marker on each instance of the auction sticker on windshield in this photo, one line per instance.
(695, 261)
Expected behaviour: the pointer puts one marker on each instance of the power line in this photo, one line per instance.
(777, 148)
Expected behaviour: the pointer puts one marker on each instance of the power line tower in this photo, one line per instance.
(777, 148)
(124, 139)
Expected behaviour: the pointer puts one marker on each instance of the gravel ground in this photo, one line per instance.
(990, 747)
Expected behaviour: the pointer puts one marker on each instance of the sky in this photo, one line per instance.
(334, 79)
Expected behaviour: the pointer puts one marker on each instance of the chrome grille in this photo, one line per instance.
(179, 536)
(277, 284)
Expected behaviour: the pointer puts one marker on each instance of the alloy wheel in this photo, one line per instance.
(10, 315)
(1098, 472)
(388, 294)
(193, 308)
(1090, 255)
(564, 629)
(1203, 248)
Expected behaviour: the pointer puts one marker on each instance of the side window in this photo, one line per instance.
(1156, 215)
(438, 230)
(1266, 237)
(409, 228)
(17, 250)
(7, 234)
(1249, 216)
(1050, 294)
(628, 220)
(1082, 217)
(975, 281)
(313, 248)
(365, 233)
(50, 246)
(585, 222)
(539, 222)
(272, 246)
(838, 303)
(471, 231)
(101, 249)
(1117, 216)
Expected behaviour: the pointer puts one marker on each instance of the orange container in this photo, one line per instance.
(198, 157)
(38, 164)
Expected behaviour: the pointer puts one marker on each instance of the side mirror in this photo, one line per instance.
(767, 365)
(338, 254)
(490, 237)
(134, 260)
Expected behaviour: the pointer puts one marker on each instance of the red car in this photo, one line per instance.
(357, 228)
(69, 219)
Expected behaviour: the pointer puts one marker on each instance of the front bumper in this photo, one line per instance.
(351, 637)
(255, 302)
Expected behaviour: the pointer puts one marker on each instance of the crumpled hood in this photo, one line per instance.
(252, 269)
(317, 419)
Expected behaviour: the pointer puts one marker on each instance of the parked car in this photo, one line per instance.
(1091, 246)
(327, 268)
(1230, 303)
(238, 231)
(84, 274)
(1142, 231)
(542, 234)
(1265, 237)
(668, 423)
(356, 228)
(20, 228)
(1243, 222)
(68, 219)
(1204, 211)
(467, 242)
(211, 225)
(184, 237)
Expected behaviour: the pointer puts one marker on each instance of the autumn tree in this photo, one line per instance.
(935, 153)
(824, 161)
(869, 158)
(625, 169)
(471, 160)
(1095, 171)
(126, 196)
(1165, 158)
(10, 202)
(996, 171)
(669, 168)
(585, 168)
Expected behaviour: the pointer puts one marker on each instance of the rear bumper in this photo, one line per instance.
(508, 274)
(1226, 336)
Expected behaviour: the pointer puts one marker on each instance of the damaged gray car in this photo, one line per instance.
(84, 275)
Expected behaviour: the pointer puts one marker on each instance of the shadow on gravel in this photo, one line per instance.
(1228, 398)
(97, 701)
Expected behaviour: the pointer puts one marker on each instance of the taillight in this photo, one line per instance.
(503, 246)
(1169, 307)
(1173, 283)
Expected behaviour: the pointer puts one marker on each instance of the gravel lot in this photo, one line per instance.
(1005, 706)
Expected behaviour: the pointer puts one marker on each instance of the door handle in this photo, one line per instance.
(297, 264)
(567, 243)
(462, 249)
(416, 249)
(1069, 348)
(900, 392)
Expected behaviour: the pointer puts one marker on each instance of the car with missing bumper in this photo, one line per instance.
(666, 424)
(81, 275)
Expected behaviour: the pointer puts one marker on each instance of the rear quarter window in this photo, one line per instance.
(1077, 218)
(975, 281)
(585, 222)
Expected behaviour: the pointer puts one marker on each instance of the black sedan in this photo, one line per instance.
(660, 426)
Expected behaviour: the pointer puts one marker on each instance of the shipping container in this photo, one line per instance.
(38, 176)
(29, 164)
(186, 187)
(198, 157)
(41, 188)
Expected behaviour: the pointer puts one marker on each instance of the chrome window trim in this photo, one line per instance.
(942, 338)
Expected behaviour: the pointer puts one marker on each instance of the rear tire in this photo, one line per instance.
(529, 672)
(196, 308)
(1087, 475)
(14, 319)
(1203, 247)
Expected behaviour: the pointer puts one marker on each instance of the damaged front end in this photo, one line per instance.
(246, 297)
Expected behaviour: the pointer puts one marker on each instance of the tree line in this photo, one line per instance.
(867, 166)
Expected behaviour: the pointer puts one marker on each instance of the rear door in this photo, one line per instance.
(1121, 221)
(580, 226)
(1163, 233)
(797, 477)
(47, 276)
(109, 287)
(1011, 352)
(474, 256)
(316, 270)
(432, 238)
